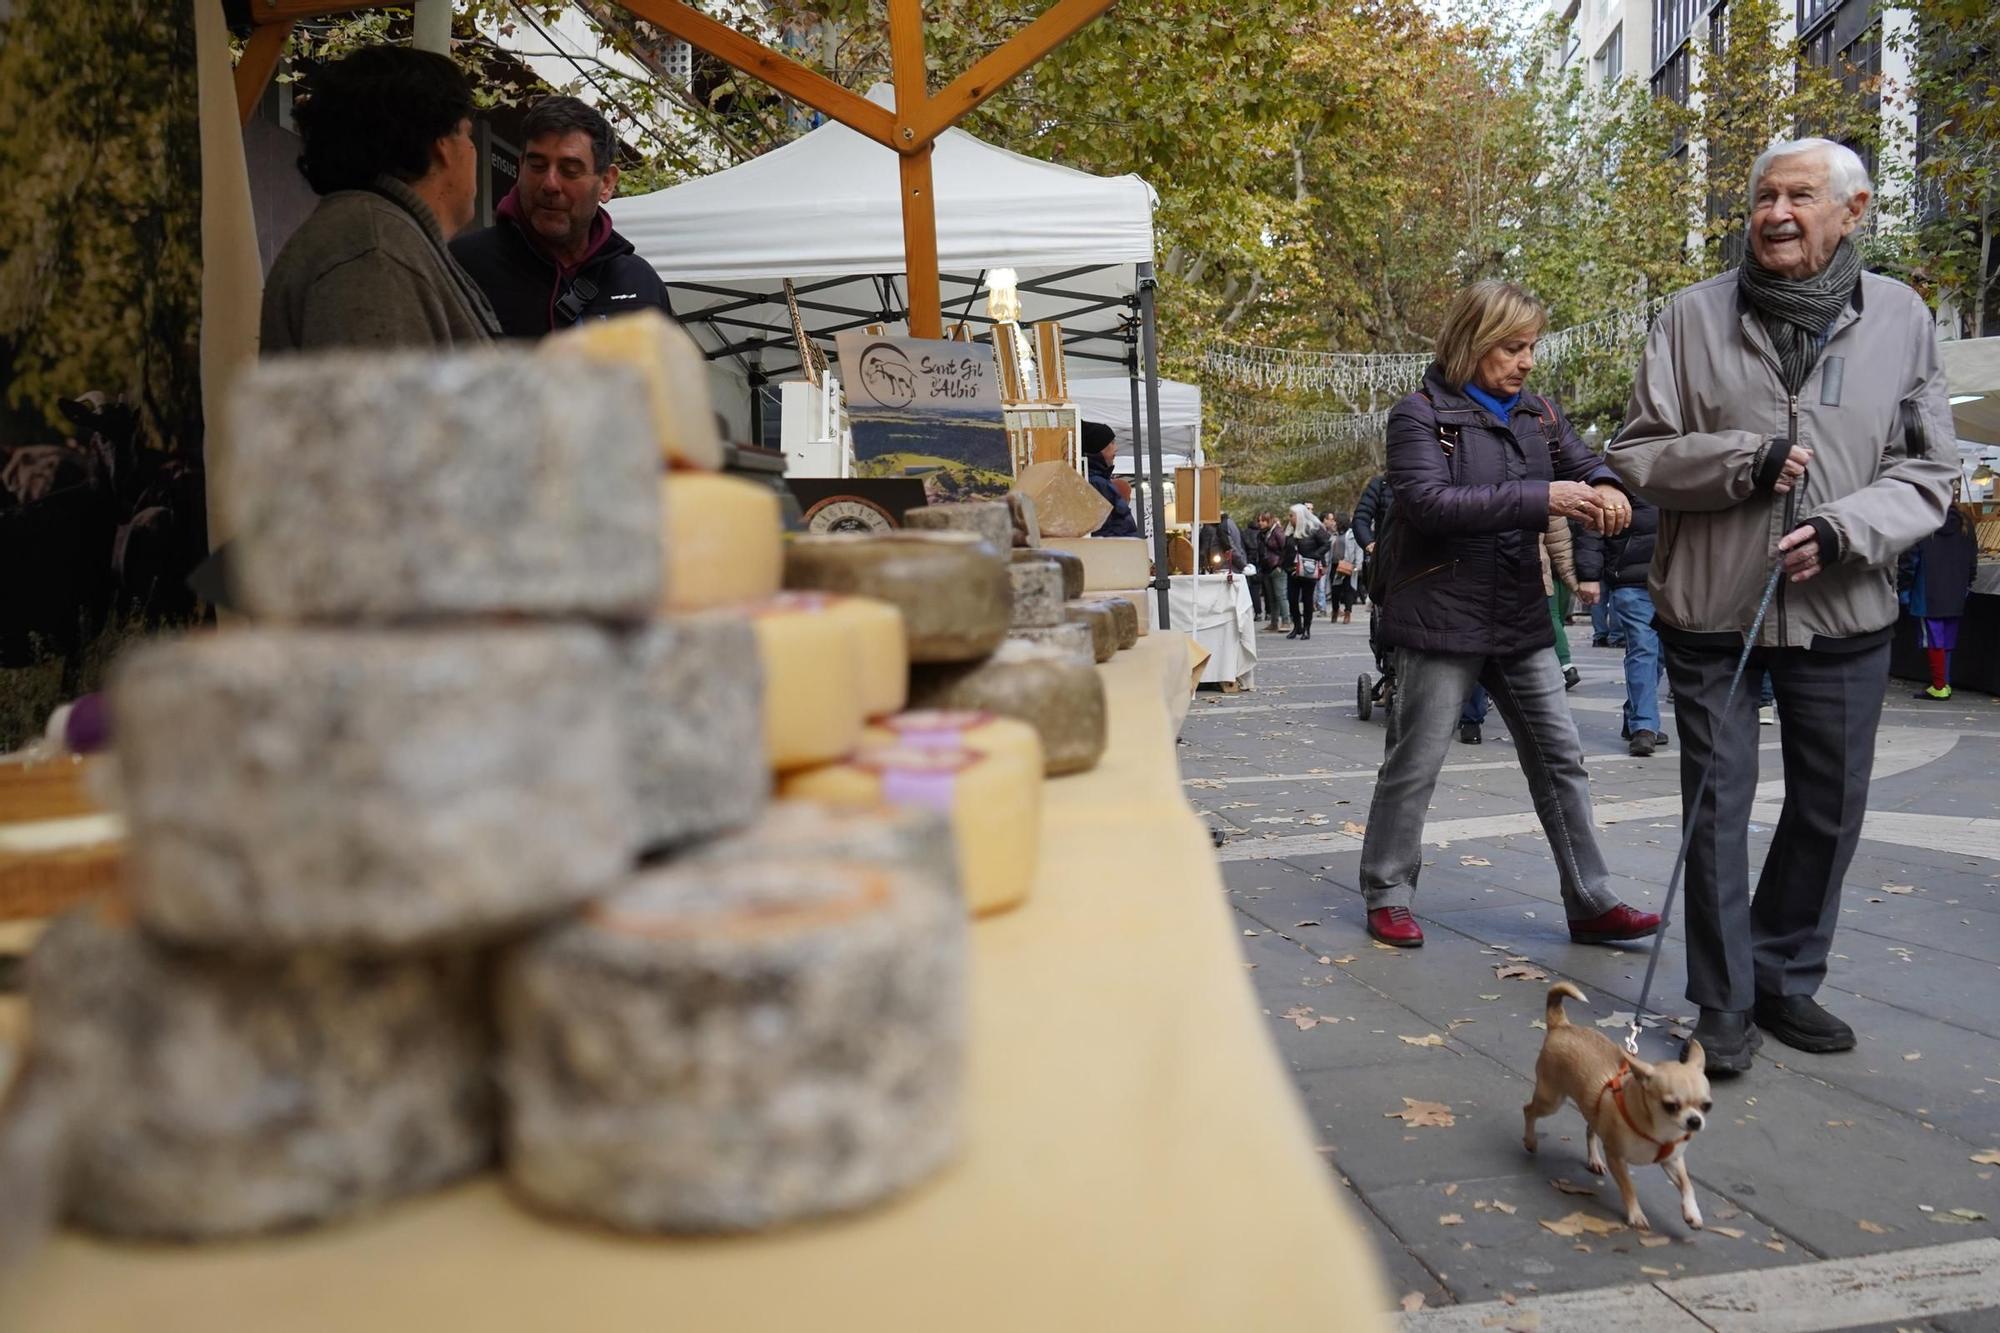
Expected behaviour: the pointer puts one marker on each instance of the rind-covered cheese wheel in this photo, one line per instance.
(1073, 638)
(1143, 601)
(989, 520)
(219, 1096)
(814, 702)
(992, 796)
(675, 374)
(909, 836)
(1038, 593)
(694, 733)
(407, 485)
(722, 544)
(1060, 697)
(951, 587)
(376, 789)
(1124, 618)
(1102, 622)
(1108, 562)
(728, 1048)
(1071, 567)
(1027, 527)
(1065, 504)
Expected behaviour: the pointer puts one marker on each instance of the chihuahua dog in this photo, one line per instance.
(1640, 1112)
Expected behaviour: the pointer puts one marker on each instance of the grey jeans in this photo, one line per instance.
(1528, 691)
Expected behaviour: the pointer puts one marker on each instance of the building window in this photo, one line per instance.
(1812, 11)
(1609, 63)
(1673, 20)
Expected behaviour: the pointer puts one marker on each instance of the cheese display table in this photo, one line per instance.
(1136, 1156)
(1216, 610)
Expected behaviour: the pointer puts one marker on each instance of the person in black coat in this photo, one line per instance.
(1372, 511)
(1308, 546)
(1614, 570)
(1935, 578)
(1100, 447)
(1478, 466)
(552, 259)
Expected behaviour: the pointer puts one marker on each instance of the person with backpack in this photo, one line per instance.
(1478, 466)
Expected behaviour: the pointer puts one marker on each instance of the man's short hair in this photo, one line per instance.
(377, 112)
(1846, 173)
(564, 115)
(1479, 319)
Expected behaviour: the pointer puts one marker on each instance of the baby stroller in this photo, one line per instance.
(1379, 690)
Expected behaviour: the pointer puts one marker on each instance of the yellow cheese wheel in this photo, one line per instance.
(994, 801)
(881, 649)
(720, 541)
(812, 690)
(675, 372)
(956, 728)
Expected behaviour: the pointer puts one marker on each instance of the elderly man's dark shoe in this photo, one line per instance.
(1728, 1039)
(1799, 1022)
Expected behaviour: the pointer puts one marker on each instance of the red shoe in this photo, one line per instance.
(1620, 923)
(1395, 925)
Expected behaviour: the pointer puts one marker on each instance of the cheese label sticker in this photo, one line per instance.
(927, 778)
(935, 728)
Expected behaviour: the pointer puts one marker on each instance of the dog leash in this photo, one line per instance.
(1700, 790)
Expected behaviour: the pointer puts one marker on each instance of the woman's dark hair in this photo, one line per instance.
(376, 113)
(562, 115)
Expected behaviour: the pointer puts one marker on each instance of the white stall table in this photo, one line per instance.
(1215, 609)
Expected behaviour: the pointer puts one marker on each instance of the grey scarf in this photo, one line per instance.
(1797, 312)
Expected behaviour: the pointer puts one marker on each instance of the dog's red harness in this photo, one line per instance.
(1615, 1085)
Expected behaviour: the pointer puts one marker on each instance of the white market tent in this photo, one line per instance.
(825, 211)
(1110, 401)
(1972, 373)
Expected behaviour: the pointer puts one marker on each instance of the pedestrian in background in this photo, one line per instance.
(1612, 571)
(1347, 562)
(1276, 581)
(1935, 579)
(1478, 466)
(1791, 409)
(1559, 580)
(1307, 546)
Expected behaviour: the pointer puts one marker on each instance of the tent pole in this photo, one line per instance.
(1161, 573)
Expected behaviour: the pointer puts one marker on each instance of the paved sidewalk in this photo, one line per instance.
(1806, 1159)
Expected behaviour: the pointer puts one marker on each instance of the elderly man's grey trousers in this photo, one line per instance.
(1829, 703)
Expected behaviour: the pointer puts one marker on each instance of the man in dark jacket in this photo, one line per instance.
(1372, 511)
(1614, 570)
(552, 258)
(388, 148)
(1100, 446)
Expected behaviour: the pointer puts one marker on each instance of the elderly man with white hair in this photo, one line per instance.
(1792, 409)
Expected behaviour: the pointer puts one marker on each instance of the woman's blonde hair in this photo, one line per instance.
(1482, 317)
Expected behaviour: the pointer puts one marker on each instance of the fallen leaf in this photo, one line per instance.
(1618, 1018)
(1302, 1018)
(1428, 1039)
(1914, 1055)
(1390, 947)
(1342, 962)
(1775, 1246)
(1655, 1272)
(1352, 829)
(1960, 1217)
(1450, 1220)
(1733, 1233)
(1899, 888)
(1991, 1157)
(1418, 1114)
(1520, 972)
(1274, 819)
(1578, 1223)
(1489, 997)
(1474, 861)
(1298, 924)
(1872, 1228)
(1588, 1191)
(1204, 782)
(1324, 961)
(1505, 1207)
(1413, 1302)
(1539, 1023)
(1654, 1242)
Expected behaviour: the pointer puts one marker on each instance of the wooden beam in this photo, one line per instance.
(920, 254)
(261, 54)
(1056, 25)
(788, 76)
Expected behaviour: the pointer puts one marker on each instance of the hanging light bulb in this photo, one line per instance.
(1003, 297)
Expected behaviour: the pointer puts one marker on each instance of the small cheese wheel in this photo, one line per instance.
(951, 587)
(882, 651)
(694, 738)
(993, 799)
(910, 836)
(1102, 622)
(394, 486)
(728, 1048)
(675, 373)
(813, 701)
(1143, 601)
(1124, 618)
(1071, 567)
(371, 789)
(1072, 638)
(1038, 593)
(722, 542)
(1108, 562)
(1061, 698)
(990, 520)
(224, 1096)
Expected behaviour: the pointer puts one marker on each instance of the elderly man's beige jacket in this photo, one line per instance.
(1706, 405)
